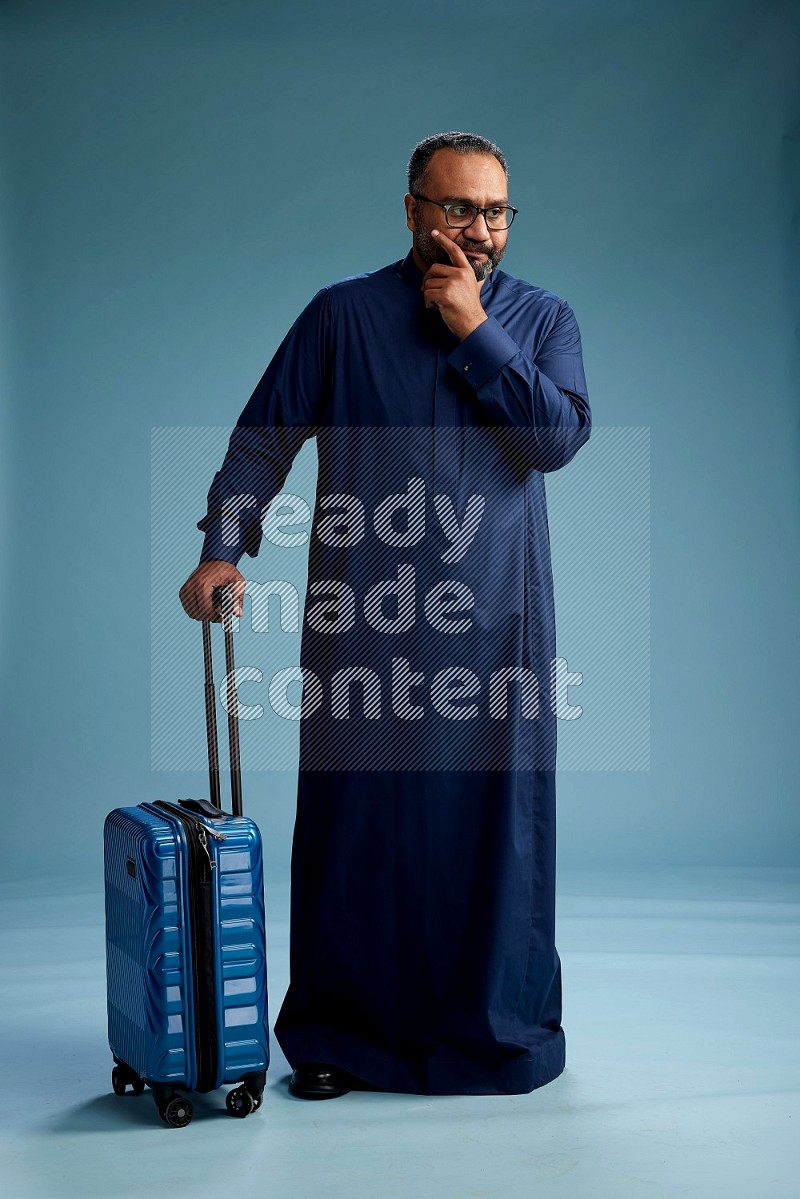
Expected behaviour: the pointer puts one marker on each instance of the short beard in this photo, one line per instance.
(430, 251)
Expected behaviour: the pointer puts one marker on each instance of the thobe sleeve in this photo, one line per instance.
(544, 399)
(280, 415)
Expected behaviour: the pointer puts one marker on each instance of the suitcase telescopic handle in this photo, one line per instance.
(223, 599)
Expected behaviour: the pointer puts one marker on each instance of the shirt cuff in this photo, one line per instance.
(483, 353)
(215, 547)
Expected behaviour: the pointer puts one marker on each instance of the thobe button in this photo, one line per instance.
(467, 365)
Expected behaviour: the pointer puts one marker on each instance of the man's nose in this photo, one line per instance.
(478, 230)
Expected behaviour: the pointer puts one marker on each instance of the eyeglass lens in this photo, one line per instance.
(462, 215)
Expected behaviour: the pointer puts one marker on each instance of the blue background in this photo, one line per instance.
(177, 184)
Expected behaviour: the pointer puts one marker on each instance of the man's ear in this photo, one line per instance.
(411, 212)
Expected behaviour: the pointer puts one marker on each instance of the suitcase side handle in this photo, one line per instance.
(223, 598)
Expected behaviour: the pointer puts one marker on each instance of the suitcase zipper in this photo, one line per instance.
(201, 914)
(202, 834)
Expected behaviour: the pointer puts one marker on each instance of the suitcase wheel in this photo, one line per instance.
(122, 1078)
(255, 1084)
(240, 1102)
(176, 1112)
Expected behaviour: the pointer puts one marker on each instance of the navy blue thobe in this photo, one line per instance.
(422, 942)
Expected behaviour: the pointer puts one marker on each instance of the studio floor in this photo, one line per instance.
(680, 1011)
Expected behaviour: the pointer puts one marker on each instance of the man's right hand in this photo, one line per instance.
(196, 594)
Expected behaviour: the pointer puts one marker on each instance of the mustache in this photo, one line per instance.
(478, 247)
(468, 248)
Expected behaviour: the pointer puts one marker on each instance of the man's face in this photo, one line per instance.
(474, 178)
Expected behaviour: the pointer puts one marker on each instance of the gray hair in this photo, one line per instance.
(462, 143)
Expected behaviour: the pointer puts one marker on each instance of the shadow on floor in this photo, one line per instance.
(116, 1112)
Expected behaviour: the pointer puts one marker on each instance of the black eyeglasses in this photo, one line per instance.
(461, 216)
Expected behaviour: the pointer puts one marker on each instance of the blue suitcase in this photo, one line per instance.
(185, 937)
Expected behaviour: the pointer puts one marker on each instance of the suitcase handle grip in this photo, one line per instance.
(222, 598)
(203, 806)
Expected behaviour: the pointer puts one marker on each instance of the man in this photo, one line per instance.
(440, 390)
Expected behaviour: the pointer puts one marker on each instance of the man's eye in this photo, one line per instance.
(496, 212)
(459, 209)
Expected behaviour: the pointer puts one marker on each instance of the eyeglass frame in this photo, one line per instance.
(478, 211)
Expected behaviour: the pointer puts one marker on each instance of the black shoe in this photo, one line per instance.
(315, 1080)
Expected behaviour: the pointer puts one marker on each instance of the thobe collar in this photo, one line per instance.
(412, 275)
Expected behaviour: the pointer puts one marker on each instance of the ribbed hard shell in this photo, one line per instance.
(241, 948)
(148, 957)
(148, 948)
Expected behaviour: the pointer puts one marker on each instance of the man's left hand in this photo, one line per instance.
(454, 290)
